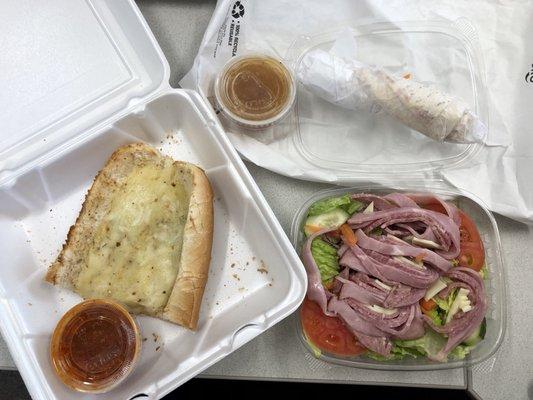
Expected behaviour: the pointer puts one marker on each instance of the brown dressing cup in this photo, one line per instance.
(255, 91)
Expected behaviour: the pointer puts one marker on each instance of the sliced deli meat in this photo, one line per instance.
(445, 230)
(391, 247)
(390, 254)
(464, 323)
(387, 269)
(315, 289)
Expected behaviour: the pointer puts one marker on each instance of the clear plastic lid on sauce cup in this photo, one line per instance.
(495, 285)
(255, 90)
(95, 346)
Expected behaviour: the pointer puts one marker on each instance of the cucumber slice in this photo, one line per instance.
(331, 219)
(478, 335)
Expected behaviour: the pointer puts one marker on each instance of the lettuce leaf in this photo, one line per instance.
(443, 306)
(429, 344)
(446, 303)
(397, 353)
(442, 303)
(353, 207)
(377, 231)
(435, 316)
(460, 352)
(345, 202)
(326, 258)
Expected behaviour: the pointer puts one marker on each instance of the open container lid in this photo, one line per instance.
(358, 145)
(80, 72)
(71, 65)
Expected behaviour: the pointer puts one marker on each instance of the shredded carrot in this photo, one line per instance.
(419, 258)
(427, 305)
(407, 76)
(348, 235)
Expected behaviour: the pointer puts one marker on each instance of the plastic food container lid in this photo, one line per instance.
(68, 72)
(95, 346)
(84, 77)
(495, 285)
(255, 90)
(361, 145)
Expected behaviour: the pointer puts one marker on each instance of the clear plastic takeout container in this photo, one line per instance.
(495, 284)
(85, 77)
(357, 145)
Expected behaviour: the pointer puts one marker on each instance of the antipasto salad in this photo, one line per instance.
(393, 276)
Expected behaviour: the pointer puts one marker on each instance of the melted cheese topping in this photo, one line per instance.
(136, 248)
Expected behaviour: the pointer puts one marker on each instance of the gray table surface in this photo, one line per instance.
(277, 354)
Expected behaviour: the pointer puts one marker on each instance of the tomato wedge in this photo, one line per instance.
(472, 256)
(472, 253)
(468, 229)
(437, 207)
(334, 234)
(328, 333)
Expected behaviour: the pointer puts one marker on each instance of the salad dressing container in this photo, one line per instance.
(255, 90)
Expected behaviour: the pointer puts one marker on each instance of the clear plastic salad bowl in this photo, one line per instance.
(494, 283)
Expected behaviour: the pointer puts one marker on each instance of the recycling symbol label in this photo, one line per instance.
(238, 10)
(232, 31)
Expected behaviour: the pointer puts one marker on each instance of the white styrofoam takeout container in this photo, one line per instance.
(83, 77)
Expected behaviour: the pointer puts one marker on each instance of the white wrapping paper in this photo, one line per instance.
(499, 174)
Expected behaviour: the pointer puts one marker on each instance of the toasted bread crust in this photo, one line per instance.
(183, 306)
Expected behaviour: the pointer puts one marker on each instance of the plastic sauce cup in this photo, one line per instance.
(95, 346)
(255, 91)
